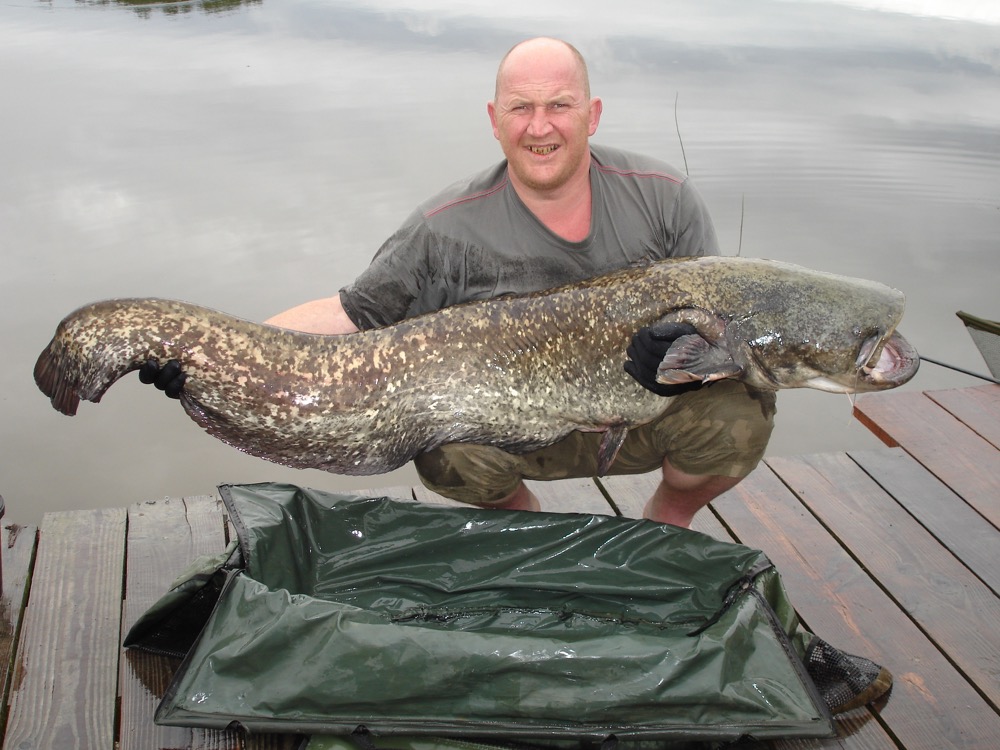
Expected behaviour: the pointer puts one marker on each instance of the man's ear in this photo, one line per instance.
(491, 110)
(596, 107)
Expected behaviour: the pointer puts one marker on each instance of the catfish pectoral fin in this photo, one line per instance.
(611, 442)
(691, 358)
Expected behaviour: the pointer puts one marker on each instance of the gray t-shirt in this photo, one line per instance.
(477, 239)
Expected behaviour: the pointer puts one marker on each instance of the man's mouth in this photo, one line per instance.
(542, 150)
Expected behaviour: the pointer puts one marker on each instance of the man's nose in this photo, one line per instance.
(540, 123)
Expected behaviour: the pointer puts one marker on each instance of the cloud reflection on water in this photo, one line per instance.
(255, 158)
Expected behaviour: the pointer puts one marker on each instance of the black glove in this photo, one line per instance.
(648, 347)
(168, 378)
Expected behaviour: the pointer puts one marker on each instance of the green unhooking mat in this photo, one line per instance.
(340, 615)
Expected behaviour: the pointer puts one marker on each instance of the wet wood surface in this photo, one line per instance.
(891, 554)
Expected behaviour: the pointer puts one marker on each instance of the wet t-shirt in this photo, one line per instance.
(477, 239)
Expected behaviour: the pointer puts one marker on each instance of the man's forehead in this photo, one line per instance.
(542, 85)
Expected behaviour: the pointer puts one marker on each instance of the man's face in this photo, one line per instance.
(543, 119)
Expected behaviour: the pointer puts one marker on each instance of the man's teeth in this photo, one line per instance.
(542, 150)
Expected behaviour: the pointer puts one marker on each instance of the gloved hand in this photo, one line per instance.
(168, 378)
(649, 346)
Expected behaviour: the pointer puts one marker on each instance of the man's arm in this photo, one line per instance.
(324, 316)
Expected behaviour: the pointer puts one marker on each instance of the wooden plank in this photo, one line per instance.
(571, 496)
(398, 492)
(979, 408)
(67, 665)
(163, 539)
(857, 731)
(18, 554)
(957, 610)
(931, 704)
(970, 465)
(939, 510)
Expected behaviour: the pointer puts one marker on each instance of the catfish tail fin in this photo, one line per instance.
(57, 380)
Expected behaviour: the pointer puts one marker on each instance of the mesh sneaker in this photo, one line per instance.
(844, 681)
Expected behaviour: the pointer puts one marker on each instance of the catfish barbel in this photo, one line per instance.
(517, 372)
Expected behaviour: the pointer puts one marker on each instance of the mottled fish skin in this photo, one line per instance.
(515, 372)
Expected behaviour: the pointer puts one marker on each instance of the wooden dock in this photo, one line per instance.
(893, 554)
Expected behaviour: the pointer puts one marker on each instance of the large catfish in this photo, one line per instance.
(516, 372)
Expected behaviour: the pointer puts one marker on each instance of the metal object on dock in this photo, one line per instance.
(986, 336)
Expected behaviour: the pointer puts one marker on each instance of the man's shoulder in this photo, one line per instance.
(616, 162)
(472, 193)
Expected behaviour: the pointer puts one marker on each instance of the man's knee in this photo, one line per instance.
(678, 482)
(720, 430)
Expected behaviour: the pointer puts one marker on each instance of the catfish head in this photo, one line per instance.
(781, 326)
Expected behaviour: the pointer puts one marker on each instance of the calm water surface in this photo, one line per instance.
(251, 156)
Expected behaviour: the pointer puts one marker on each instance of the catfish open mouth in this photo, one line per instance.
(897, 362)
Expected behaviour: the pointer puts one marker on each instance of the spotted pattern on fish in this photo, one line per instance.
(516, 372)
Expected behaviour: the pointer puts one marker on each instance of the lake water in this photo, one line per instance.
(250, 156)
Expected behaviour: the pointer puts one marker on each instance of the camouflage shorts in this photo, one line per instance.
(719, 430)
